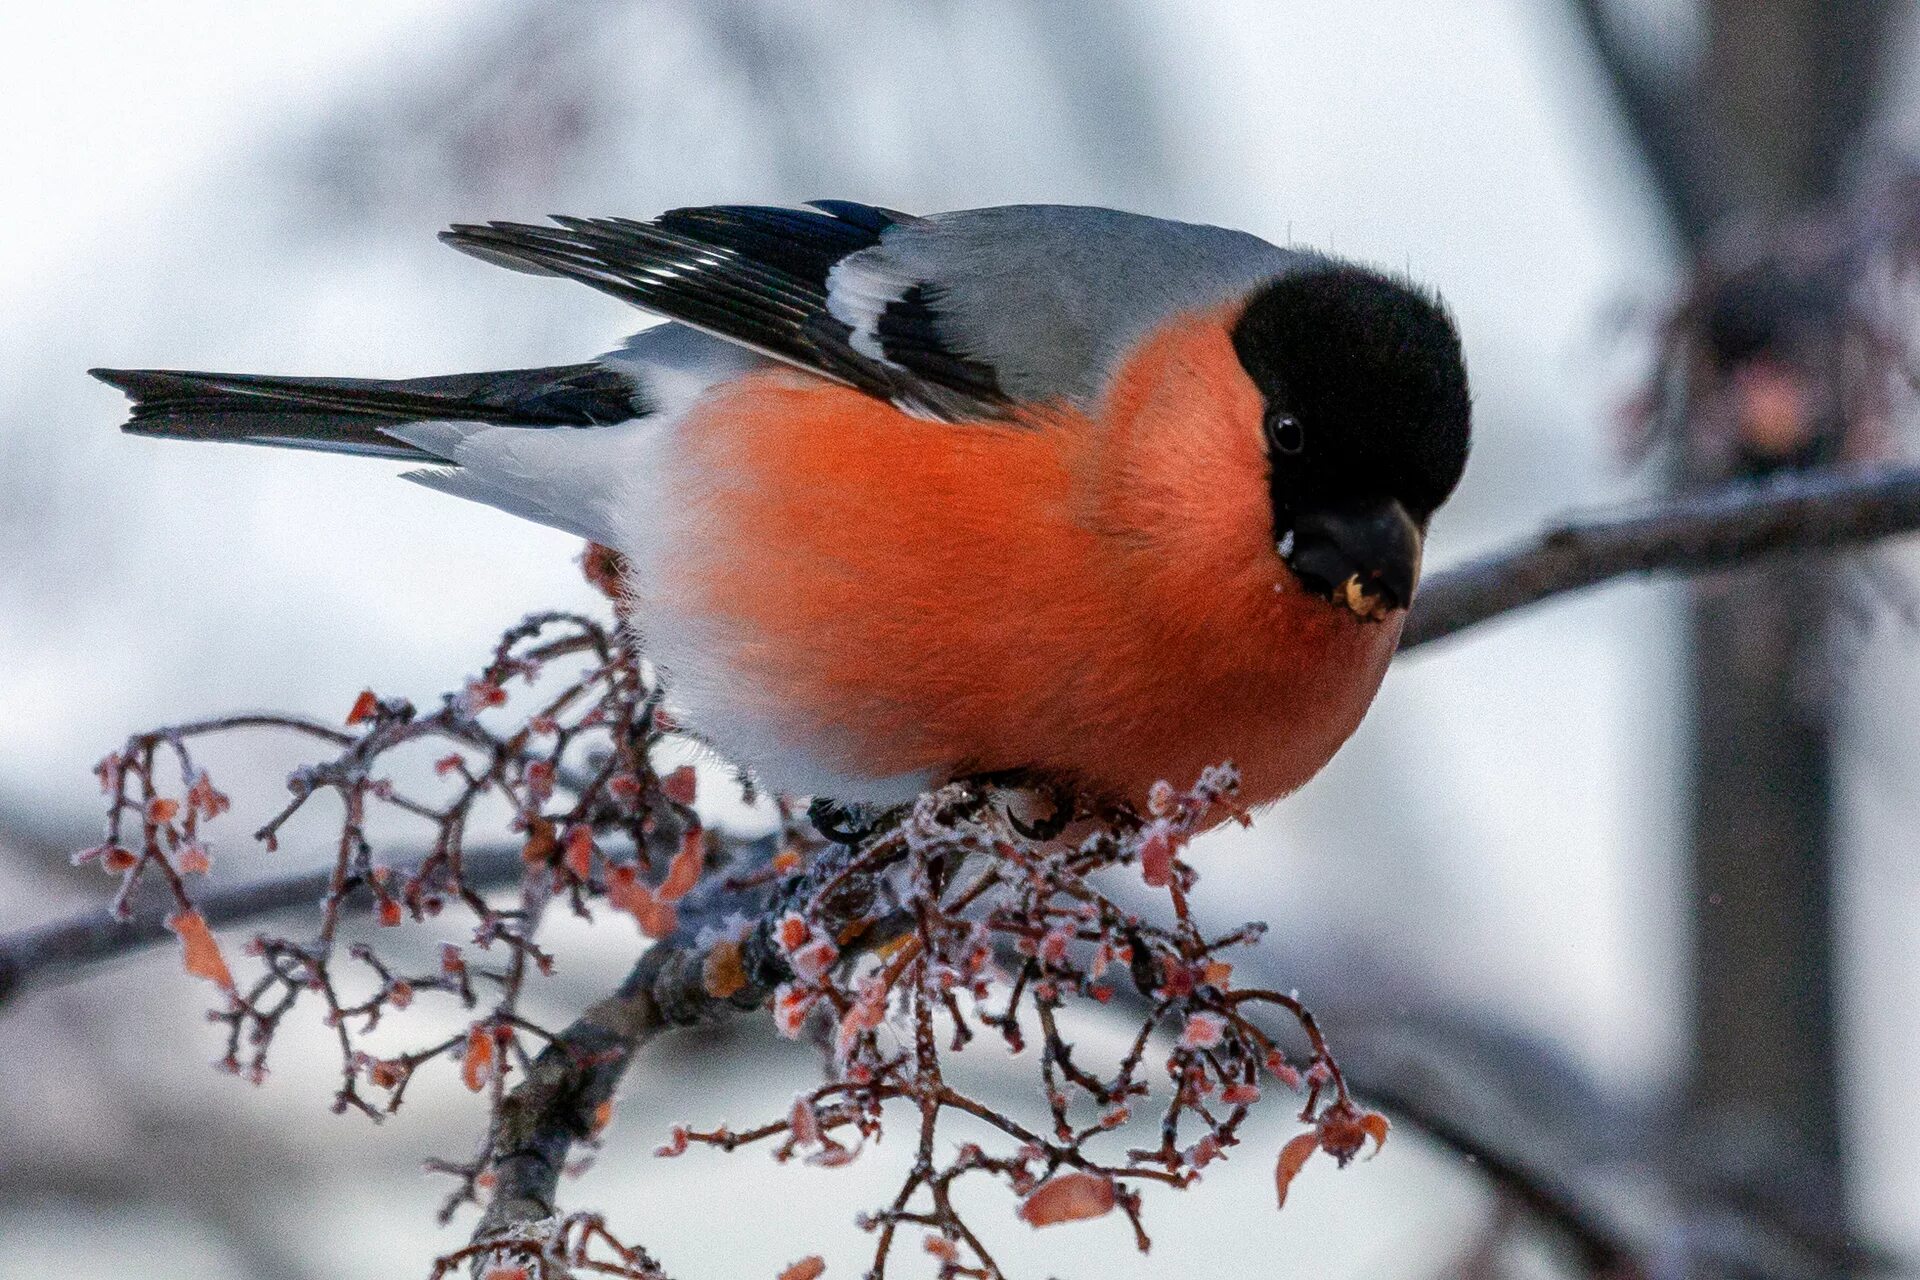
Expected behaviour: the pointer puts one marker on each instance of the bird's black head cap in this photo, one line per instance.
(1367, 411)
(1365, 385)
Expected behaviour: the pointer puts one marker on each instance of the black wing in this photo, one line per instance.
(755, 275)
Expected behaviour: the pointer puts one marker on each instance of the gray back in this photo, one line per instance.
(1053, 296)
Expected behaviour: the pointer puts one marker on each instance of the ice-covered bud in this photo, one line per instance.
(811, 962)
(1203, 1031)
(791, 932)
(791, 1003)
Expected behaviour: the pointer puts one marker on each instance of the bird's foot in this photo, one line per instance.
(1061, 804)
(850, 823)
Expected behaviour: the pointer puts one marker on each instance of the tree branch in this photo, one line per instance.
(672, 985)
(1695, 533)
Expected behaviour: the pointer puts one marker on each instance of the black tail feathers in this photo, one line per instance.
(346, 415)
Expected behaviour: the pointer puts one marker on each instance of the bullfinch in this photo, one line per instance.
(1062, 493)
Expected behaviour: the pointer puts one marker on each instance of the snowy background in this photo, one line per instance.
(232, 185)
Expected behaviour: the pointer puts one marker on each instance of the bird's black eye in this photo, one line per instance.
(1288, 436)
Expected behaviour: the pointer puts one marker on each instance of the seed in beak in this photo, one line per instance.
(1362, 602)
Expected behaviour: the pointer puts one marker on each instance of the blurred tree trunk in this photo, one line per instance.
(1768, 129)
(1787, 88)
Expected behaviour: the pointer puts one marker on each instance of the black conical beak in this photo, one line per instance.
(1364, 556)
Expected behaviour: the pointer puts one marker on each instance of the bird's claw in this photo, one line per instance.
(1054, 824)
(843, 823)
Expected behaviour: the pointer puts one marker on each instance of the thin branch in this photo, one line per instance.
(1699, 533)
(50, 951)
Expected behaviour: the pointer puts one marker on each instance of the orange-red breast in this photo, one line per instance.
(1092, 496)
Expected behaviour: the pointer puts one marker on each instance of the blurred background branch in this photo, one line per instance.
(50, 951)
(1695, 533)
